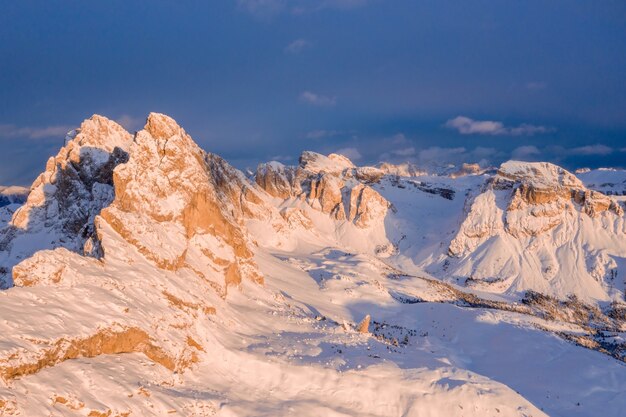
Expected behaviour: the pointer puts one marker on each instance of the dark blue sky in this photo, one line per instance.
(254, 80)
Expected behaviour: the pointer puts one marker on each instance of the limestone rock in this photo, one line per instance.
(364, 325)
(64, 200)
(331, 184)
(276, 179)
(172, 199)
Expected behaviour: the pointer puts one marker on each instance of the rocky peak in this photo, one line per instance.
(331, 184)
(172, 199)
(543, 183)
(65, 198)
(333, 163)
(162, 127)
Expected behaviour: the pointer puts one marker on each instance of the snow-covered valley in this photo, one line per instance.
(146, 277)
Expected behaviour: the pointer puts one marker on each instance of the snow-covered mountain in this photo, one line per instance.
(145, 276)
(535, 226)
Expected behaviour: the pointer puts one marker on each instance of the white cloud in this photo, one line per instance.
(297, 46)
(317, 99)
(467, 126)
(404, 152)
(284, 158)
(8, 131)
(398, 139)
(351, 153)
(525, 152)
(438, 154)
(597, 149)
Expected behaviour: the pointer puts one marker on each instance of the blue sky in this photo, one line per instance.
(430, 82)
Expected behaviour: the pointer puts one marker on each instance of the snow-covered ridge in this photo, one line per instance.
(153, 278)
(535, 226)
(538, 174)
(605, 180)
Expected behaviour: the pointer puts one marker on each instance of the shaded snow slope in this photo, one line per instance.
(12, 195)
(606, 180)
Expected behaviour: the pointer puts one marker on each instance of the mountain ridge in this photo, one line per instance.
(324, 285)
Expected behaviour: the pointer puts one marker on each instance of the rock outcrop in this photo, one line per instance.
(403, 170)
(331, 184)
(66, 197)
(181, 207)
(467, 169)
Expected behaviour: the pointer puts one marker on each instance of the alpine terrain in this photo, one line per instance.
(143, 276)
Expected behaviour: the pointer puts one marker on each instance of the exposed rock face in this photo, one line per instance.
(66, 197)
(366, 206)
(467, 169)
(11, 198)
(331, 184)
(542, 175)
(368, 174)
(172, 199)
(107, 341)
(177, 205)
(326, 191)
(402, 170)
(364, 325)
(276, 179)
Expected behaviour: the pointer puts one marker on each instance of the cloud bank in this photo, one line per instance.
(468, 126)
(8, 131)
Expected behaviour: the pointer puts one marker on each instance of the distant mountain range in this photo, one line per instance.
(141, 275)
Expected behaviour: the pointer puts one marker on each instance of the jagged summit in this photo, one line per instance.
(159, 191)
(64, 199)
(172, 200)
(161, 126)
(334, 186)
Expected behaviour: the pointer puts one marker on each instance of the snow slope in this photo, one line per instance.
(606, 180)
(191, 290)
